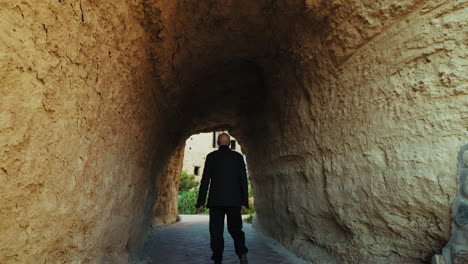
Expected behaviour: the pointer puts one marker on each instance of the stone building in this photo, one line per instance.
(197, 147)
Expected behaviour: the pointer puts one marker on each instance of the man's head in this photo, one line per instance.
(224, 139)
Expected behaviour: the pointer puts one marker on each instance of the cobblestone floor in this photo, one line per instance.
(188, 242)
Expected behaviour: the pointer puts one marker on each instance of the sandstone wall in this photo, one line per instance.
(78, 130)
(167, 190)
(362, 161)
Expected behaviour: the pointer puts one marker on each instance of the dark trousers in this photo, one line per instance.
(234, 222)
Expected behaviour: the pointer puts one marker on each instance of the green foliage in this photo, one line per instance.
(250, 191)
(188, 197)
(187, 202)
(187, 181)
(249, 219)
(251, 209)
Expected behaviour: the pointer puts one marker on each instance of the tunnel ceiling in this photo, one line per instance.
(197, 44)
(210, 54)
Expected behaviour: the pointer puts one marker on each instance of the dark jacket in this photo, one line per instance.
(225, 173)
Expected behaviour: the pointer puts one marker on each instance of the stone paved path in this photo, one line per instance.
(188, 242)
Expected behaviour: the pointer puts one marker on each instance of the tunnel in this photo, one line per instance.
(351, 113)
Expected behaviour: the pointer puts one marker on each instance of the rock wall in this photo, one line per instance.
(358, 164)
(167, 190)
(78, 144)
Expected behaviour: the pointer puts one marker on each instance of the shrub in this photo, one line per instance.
(187, 202)
(251, 209)
(187, 181)
(250, 191)
(249, 219)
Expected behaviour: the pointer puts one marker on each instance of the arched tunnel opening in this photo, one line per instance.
(224, 100)
(351, 113)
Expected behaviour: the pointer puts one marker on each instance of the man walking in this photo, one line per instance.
(226, 174)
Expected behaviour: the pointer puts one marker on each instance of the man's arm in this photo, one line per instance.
(244, 185)
(205, 181)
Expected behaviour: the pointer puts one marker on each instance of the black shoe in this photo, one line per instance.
(243, 259)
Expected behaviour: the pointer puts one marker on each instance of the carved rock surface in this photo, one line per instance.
(78, 137)
(351, 114)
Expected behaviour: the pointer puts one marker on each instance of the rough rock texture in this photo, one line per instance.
(78, 119)
(167, 186)
(351, 114)
(362, 164)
